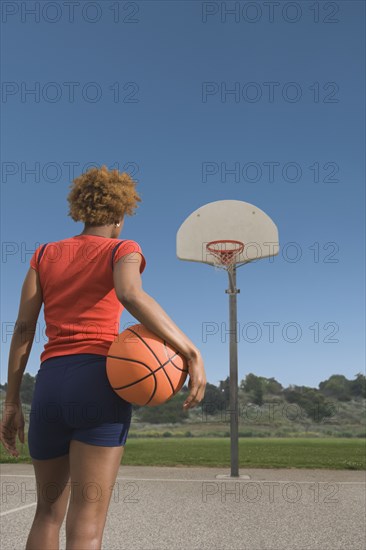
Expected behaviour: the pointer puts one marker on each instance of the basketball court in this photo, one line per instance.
(156, 508)
(176, 508)
(202, 104)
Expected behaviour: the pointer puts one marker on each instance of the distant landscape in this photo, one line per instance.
(294, 427)
(266, 409)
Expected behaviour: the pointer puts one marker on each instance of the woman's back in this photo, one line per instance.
(81, 309)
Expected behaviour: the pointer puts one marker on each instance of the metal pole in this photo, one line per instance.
(234, 417)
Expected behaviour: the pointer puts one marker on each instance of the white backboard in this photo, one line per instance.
(232, 220)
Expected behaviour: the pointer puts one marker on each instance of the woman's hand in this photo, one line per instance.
(197, 382)
(12, 424)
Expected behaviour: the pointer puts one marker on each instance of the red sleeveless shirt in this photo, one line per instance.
(81, 308)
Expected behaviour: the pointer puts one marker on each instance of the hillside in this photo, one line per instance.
(266, 409)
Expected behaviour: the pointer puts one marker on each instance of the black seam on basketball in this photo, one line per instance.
(137, 381)
(128, 359)
(147, 345)
(172, 357)
(171, 362)
(132, 361)
(182, 370)
(178, 368)
(154, 391)
(141, 379)
(170, 382)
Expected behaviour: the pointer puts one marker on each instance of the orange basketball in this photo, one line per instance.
(143, 369)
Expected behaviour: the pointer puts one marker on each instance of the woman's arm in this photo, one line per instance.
(12, 423)
(21, 343)
(128, 287)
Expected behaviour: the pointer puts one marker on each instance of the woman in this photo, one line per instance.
(84, 282)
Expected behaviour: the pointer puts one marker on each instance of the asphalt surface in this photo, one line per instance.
(156, 508)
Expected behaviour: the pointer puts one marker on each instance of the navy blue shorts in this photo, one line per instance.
(73, 399)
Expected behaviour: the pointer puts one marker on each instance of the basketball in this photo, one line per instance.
(143, 369)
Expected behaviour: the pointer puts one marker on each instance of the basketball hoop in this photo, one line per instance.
(226, 251)
(234, 223)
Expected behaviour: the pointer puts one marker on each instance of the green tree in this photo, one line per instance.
(170, 412)
(214, 400)
(250, 383)
(310, 400)
(254, 386)
(358, 386)
(272, 387)
(337, 386)
(27, 388)
(224, 389)
(258, 396)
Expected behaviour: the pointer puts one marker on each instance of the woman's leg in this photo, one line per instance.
(52, 498)
(93, 471)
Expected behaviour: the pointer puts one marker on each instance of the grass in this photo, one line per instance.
(254, 452)
(330, 453)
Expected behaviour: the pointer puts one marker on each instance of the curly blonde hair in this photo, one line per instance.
(102, 197)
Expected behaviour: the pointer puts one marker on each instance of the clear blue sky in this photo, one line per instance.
(163, 127)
